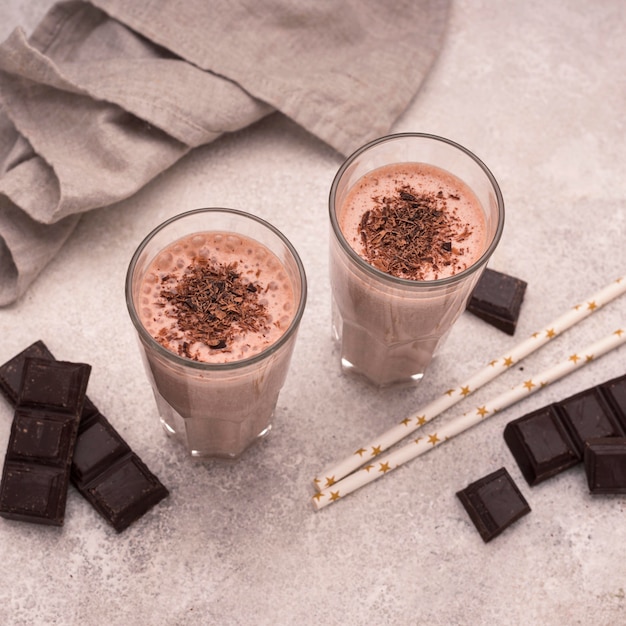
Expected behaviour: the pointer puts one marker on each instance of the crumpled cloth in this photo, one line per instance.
(105, 95)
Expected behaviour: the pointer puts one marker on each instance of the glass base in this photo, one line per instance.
(349, 368)
(212, 454)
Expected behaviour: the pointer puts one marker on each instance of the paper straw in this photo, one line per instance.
(494, 368)
(427, 442)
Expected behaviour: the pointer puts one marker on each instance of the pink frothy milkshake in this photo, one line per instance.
(216, 296)
(409, 240)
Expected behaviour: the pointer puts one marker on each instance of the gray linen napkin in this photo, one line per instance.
(106, 94)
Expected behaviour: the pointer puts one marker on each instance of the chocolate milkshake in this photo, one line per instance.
(216, 296)
(409, 240)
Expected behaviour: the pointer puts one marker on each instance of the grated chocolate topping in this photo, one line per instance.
(413, 235)
(212, 303)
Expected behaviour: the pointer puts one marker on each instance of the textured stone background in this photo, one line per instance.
(538, 91)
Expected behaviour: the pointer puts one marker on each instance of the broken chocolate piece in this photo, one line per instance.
(605, 465)
(587, 415)
(125, 491)
(615, 392)
(99, 452)
(497, 298)
(493, 503)
(541, 445)
(36, 469)
(11, 372)
(111, 477)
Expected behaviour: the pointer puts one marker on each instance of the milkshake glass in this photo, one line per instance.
(389, 328)
(218, 409)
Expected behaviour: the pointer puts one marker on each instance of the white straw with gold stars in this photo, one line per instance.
(427, 442)
(365, 454)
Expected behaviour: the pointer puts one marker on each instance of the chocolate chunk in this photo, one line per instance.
(587, 415)
(605, 465)
(11, 372)
(111, 476)
(541, 444)
(615, 392)
(493, 503)
(497, 298)
(36, 469)
(99, 452)
(125, 491)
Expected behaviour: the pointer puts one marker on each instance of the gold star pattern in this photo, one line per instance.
(535, 335)
(449, 392)
(317, 481)
(433, 439)
(577, 307)
(550, 333)
(406, 421)
(592, 306)
(588, 358)
(317, 496)
(493, 363)
(330, 481)
(418, 439)
(421, 420)
(376, 450)
(465, 391)
(482, 411)
(367, 468)
(334, 495)
(361, 451)
(508, 361)
(619, 332)
(529, 384)
(574, 358)
(384, 468)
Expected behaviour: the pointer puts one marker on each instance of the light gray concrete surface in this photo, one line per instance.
(537, 90)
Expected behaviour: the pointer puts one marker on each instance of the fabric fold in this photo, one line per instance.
(105, 95)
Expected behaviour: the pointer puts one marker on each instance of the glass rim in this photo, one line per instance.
(146, 337)
(407, 282)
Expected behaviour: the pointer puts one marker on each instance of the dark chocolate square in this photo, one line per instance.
(605, 465)
(98, 446)
(53, 385)
(615, 392)
(586, 415)
(497, 298)
(125, 492)
(493, 503)
(36, 436)
(541, 445)
(33, 493)
(12, 371)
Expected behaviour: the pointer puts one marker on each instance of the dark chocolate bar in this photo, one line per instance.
(99, 453)
(497, 298)
(549, 440)
(605, 465)
(493, 503)
(36, 470)
(541, 445)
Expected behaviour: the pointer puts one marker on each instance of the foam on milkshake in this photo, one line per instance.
(216, 297)
(414, 221)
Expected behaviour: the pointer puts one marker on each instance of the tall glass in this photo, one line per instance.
(389, 328)
(216, 409)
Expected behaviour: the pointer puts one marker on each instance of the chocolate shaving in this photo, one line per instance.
(412, 235)
(212, 303)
